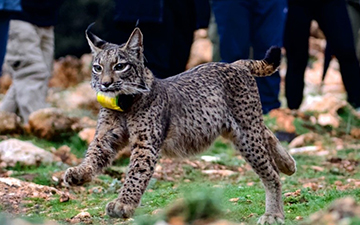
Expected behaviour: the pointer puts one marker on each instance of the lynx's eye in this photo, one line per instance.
(97, 68)
(121, 67)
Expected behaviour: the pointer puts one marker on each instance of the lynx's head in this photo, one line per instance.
(119, 69)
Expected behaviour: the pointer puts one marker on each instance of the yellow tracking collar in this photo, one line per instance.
(108, 102)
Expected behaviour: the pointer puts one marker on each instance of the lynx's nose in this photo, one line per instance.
(106, 82)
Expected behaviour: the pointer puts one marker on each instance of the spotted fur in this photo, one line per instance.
(180, 116)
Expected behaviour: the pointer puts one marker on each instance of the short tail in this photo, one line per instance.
(264, 67)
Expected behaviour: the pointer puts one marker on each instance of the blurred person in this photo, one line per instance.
(29, 55)
(353, 7)
(256, 24)
(333, 20)
(168, 27)
(7, 8)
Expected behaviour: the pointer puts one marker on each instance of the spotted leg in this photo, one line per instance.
(111, 135)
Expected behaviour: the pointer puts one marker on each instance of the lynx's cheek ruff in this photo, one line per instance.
(108, 102)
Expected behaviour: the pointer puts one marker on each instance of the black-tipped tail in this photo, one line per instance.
(264, 67)
(273, 56)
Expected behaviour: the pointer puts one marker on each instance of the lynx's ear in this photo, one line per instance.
(135, 43)
(95, 42)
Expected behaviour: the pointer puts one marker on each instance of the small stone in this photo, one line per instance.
(83, 217)
(64, 198)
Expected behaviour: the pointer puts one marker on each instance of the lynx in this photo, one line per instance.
(178, 116)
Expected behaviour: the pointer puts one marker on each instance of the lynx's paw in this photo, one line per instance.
(78, 175)
(271, 219)
(117, 209)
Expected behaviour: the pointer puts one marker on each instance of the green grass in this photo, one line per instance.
(38, 174)
(77, 146)
(162, 194)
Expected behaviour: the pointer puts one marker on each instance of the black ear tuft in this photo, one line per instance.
(95, 42)
(135, 43)
(273, 56)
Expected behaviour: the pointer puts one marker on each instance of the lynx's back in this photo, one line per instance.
(204, 99)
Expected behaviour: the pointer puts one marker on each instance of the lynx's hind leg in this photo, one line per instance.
(283, 160)
(250, 142)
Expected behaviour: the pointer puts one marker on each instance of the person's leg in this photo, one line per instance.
(8, 104)
(167, 43)
(4, 31)
(214, 38)
(354, 15)
(182, 22)
(47, 45)
(296, 43)
(333, 19)
(233, 23)
(266, 31)
(31, 73)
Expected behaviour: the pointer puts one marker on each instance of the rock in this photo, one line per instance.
(81, 96)
(69, 71)
(64, 198)
(66, 156)
(58, 177)
(14, 151)
(86, 64)
(5, 82)
(201, 49)
(327, 106)
(355, 133)
(327, 103)
(303, 140)
(83, 217)
(328, 119)
(84, 122)
(225, 173)
(333, 81)
(224, 222)
(305, 149)
(87, 134)
(10, 123)
(284, 119)
(315, 31)
(50, 124)
(314, 83)
(18, 221)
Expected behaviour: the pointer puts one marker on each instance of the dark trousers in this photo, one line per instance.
(167, 43)
(252, 23)
(4, 31)
(334, 22)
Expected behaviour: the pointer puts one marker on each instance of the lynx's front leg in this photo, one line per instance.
(145, 139)
(111, 135)
(142, 163)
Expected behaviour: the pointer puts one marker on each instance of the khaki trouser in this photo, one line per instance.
(29, 56)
